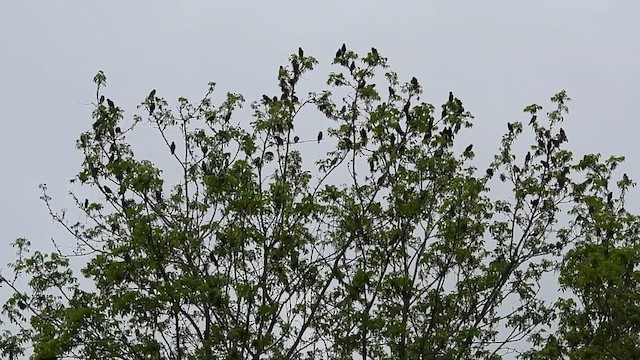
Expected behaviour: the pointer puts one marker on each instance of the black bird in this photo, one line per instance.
(227, 117)
(296, 139)
(406, 109)
(527, 158)
(300, 52)
(86, 203)
(450, 96)
(172, 147)
(533, 119)
(510, 126)
(352, 66)
(101, 99)
(338, 53)
(392, 92)
(363, 135)
(319, 136)
(374, 51)
(563, 135)
(490, 172)
(204, 149)
(343, 49)
(118, 130)
(444, 113)
(110, 103)
(468, 149)
(279, 140)
(152, 94)
(266, 99)
(414, 82)
(107, 190)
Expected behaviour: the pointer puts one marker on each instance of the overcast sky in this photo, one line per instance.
(497, 57)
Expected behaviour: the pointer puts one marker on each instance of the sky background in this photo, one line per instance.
(496, 56)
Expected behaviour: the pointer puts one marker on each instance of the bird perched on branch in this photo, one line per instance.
(172, 147)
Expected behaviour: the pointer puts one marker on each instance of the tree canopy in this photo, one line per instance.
(391, 246)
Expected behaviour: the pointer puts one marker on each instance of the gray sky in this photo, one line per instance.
(497, 56)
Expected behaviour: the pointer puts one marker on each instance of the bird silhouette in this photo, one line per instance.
(450, 96)
(319, 137)
(110, 103)
(300, 52)
(107, 190)
(490, 172)
(363, 136)
(86, 203)
(296, 139)
(279, 140)
(172, 147)
(510, 127)
(101, 99)
(468, 149)
(152, 94)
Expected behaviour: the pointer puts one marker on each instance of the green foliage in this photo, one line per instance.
(255, 253)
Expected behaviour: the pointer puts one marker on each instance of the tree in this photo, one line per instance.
(257, 254)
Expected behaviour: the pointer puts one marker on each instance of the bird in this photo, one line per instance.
(279, 140)
(510, 126)
(490, 172)
(152, 94)
(444, 113)
(319, 136)
(86, 203)
(363, 135)
(107, 190)
(343, 49)
(172, 147)
(227, 117)
(374, 51)
(450, 96)
(300, 52)
(204, 149)
(352, 66)
(296, 139)
(266, 99)
(468, 149)
(414, 82)
(527, 158)
(101, 99)
(533, 119)
(110, 103)
(118, 130)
